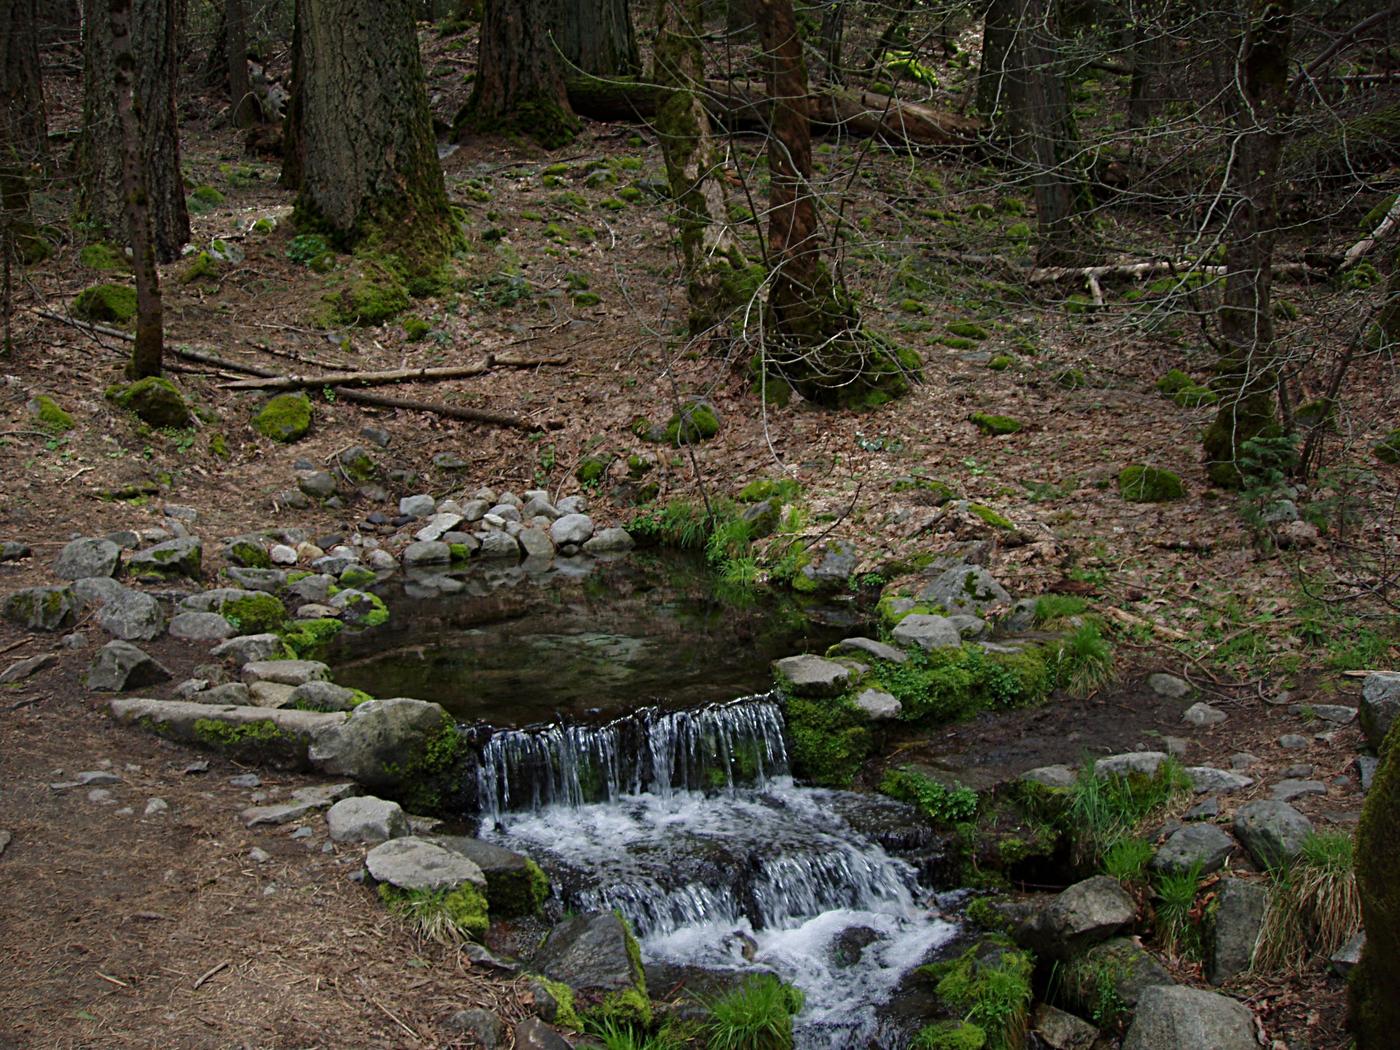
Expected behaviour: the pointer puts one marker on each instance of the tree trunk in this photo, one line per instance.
(894, 34)
(1246, 375)
(23, 129)
(370, 168)
(596, 37)
(60, 21)
(293, 142)
(1043, 137)
(153, 50)
(833, 42)
(711, 256)
(1373, 1014)
(998, 32)
(814, 339)
(519, 83)
(149, 349)
(243, 107)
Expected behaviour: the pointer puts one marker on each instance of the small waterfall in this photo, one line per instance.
(719, 746)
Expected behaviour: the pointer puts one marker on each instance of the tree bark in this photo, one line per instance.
(998, 32)
(243, 107)
(519, 83)
(710, 252)
(1246, 375)
(153, 102)
(149, 350)
(293, 141)
(23, 130)
(596, 38)
(833, 42)
(814, 339)
(369, 165)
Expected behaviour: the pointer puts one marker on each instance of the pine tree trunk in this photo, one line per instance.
(243, 107)
(998, 32)
(293, 143)
(1246, 375)
(153, 49)
(149, 349)
(519, 83)
(369, 162)
(596, 37)
(23, 129)
(814, 339)
(711, 255)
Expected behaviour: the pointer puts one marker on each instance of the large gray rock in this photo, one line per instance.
(878, 706)
(1273, 832)
(120, 666)
(514, 886)
(1380, 703)
(432, 552)
(576, 529)
(1239, 916)
(1144, 763)
(536, 543)
(365, 818)
(122, 612)
(285, 672)
(833, 567)
(859, 647)
(1084, 914)
(965, 589)
(279, 737)
(1127, 968)
(499, 545)
(437, 526)
(40, 608)
(322, 696)
(1196, 844)
(379, 740)
(86, 557)
(927, 632)
(1173, 1018)
(166, 560)
(250, 647)
(411, 863)
(200, 627)
(419, 506)
(593, 955)
(809, 675)
(610, 541)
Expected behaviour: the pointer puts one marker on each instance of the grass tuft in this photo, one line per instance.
(1178, 918)
(1314, 905)
(755, 1016)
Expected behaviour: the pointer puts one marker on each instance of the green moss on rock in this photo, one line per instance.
(248, 553)
(693, 424)
(1143, 484)
(103, 257)
(106, 303)
(255, 613)
(994, 426)
(50, 415)
(155, 401)
(592, 468)
(204, 199)
(1387, 450)
(991, 517)
(443, 915)
(374, 295)
(284, 418)
(968, 330)
(309, 639)
(830, 740)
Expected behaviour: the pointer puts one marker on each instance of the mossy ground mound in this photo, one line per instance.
(285, 418)
(1144, 484)
(994, 426)
(106, 304)
(155, 401)
(50, 414)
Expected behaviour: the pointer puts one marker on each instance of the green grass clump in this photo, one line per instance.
(1143, 484)
(1085, 661)
(1314, 905)
(1102, 811)
(1126, 860)
(937, 802)
(1052, 607)
(994, 426)
(990, 991)
(755, 1016)
(445, 916)
(1178, 920)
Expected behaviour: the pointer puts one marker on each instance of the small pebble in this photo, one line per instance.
(302, 833)
(268, 891)
(156, 806)
(76, 640)
(1243, 760)
(258, 855)
(202, 766)
(327, 848)
(246, 780)
(258, 796)
(101, 796)
(98, 777)
(125, 811)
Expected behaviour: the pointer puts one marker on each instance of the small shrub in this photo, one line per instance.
(939, 803)
(1085, 661)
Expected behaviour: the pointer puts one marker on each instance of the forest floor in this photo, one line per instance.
(132, 930)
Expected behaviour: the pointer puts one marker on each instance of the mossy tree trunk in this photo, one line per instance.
(711, 256)
(1043, 135)
(153, 50)
(149, 349)
(1371, 993)
(519, 85)
(596, 37)
(369, 164)
(1246, 374)
(814, 338)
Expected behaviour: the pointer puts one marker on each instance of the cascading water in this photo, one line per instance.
(688, 824)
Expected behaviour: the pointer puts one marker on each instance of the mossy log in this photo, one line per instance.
(745, 104)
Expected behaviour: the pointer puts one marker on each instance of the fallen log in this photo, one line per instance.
(397, 375)
(745, 104)
(1383, 229)
(1054, 274)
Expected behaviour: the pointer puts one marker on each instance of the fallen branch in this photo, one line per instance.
(1127, 618)
(1361, 247)
(398, 375)
(1054, 274)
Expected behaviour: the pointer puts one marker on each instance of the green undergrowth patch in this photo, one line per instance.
(429, 779)
(309, 639)
(941, 804)
(1099, 812)
(830, 739)
(256, 613)
(989, 988)
(1314, 905)
(755, 1016)
(1178, 921)
(445, 916)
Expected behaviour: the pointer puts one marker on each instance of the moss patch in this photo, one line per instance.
(989, 987)
(155, 401)
(284, 418)
(831, 740)
(691, 425)
(441, 915)
(255, 613)
(429, 780)
(50, 415)
(309, 639)
(374, 295)
(103, 257)
(106, 303)
(1143, 484)
(1387, 450)
(994, 425)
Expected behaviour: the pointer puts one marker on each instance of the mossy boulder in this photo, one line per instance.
(203, 199)
(994, 426)
(1387, 450)
(40, 608)
(1143, 484)
(106, 303)
(693, 424)
(597, 956)
(254, 613)
(285, 418)
(593, 468)
(49, 414)
(1373, 1005)
(155, 401)
(103, 257)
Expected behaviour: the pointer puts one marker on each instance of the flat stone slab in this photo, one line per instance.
(1208, 779)
(285, 672)
(416, 864)
(1288, 790)
(22, 669)
(1202, 844)
(1142, 762)
(868, 647)
(927, 632)
(200, 627)
(1169, 1018)
(813, 676)
(1337, 714)
(1050, 776)
(239, 651)
(247, 726)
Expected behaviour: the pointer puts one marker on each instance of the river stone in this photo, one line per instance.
(1202, 844)
(270, 694)
(483, 1028)
(868, 647)
(85, 557)
(22, 669)
(420, 506)
(365, 818)
(809, 675)
(334, 564)
(538, 505)
(1130, 969)
(1144, 763)
(572, 505)
(965, 589)
(833, 567)
(499, 545)
(878, 706)
(1293, 742)
(1055, 1029)
(513, 884)
(475, 510)
(1273, 832)
(1343, 960)
(571, 528)
(269, 581)
(249, 648)
(1288, 790)
(1239, 916)
(533, 1034)
(381, 560)
(969, 626)
(380, 738)
(10, 550)
(200, 627)
(1051, 776)
(1216, 781)
(181, 557)
(1202, 714)
(1172, 1018)
(1380, 703)
(1337, 714)
(426, 553)
(1082, 915)
(412, 863)
(323, 696)
(316, 588)
(281, 554)
(593, 954)
(437, 526)
(120, 666)
(40, 608)
(1168, 685)
(214, 599)
(354, 607)
(610, 541)
(285, 672)
(535, 543)
(233, 694)
(124, 613)
(927, 632)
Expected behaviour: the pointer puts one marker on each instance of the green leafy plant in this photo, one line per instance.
(936, 801)
(755, 1016)
(990, 990)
